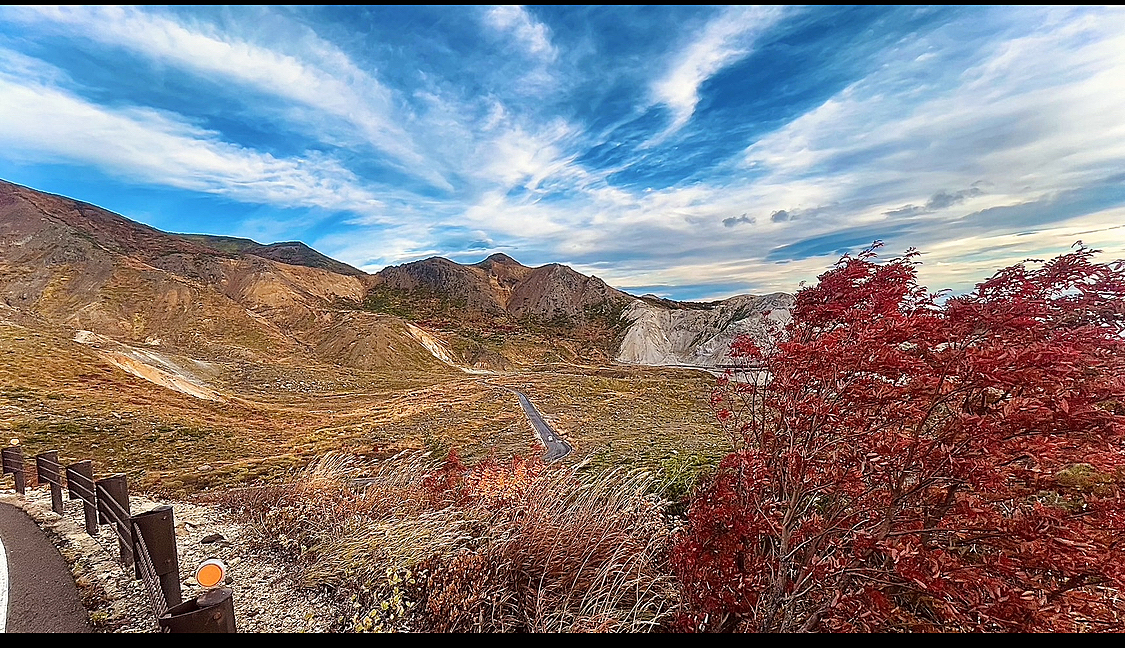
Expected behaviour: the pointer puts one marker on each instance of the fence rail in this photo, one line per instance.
(146, 541)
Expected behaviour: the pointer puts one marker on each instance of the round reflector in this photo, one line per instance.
(211, 573)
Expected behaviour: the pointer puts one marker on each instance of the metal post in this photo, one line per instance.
(80, 483)
(212, 611)
(13, 463)
(47, 470)
(158, 527)
(113, 506)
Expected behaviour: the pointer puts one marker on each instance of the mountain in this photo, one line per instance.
(579, 312)
(80, 266)
(216, 297)
(498, 311)
(291, 252)
(502, 285)
(675, 333)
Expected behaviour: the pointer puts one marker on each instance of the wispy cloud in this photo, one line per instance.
(940, 200)
(316, 74)
(727, 38)
(1026, 118)
(37, 119)
(515, 20)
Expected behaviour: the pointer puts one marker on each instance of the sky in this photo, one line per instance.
(690, 152)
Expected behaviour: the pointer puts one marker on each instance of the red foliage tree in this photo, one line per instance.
(904, 463)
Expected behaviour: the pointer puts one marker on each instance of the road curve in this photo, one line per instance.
(41, 593)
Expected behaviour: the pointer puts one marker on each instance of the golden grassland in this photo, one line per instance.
(581, 546)
(278, 417)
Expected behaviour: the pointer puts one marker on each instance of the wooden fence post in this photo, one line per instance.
(80, 483)
(158, 530)
(113, 506)
(212, 611)
(47, 470)
(13, 463)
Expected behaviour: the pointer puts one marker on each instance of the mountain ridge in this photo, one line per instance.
(85, 267)
(77, 265)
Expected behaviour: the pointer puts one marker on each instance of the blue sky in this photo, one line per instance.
(693, 152)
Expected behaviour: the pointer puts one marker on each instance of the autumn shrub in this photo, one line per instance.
(494, 547)
(905, 462)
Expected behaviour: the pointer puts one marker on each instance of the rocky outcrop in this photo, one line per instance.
(666, 335)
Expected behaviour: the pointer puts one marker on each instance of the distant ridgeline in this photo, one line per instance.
(79, 266)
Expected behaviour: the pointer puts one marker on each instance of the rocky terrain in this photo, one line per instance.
(502, 285)
(699, 337)
(75, 265)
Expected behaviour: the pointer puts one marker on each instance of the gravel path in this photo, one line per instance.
(266, 596)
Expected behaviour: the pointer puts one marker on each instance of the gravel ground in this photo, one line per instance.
(266, 598)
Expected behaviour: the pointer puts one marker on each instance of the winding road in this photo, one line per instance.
(557, 447)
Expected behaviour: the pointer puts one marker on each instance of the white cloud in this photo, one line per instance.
(725, 40)
(43, 121)
(315, 73)
(1031, 116)
(530, 33)
(1045, 111)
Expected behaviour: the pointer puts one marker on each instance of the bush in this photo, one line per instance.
(496, 547)
(907, 464)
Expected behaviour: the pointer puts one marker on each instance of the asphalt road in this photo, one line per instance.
(39, 590)
(557, 448)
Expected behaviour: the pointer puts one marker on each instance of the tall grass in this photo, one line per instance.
(437, 546)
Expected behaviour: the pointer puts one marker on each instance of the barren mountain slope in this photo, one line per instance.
(499, 313)
(291, 252)
(662, 335)
(500, 284)
(84, 267)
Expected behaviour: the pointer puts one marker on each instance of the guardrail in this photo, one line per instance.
(146, 541)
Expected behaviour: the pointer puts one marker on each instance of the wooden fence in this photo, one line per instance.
(146, 541)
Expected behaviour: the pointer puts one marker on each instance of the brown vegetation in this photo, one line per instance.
(498, 547)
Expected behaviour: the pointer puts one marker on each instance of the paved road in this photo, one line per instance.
(557, 448)
(40, 592)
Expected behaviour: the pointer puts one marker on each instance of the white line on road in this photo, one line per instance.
(3, 587)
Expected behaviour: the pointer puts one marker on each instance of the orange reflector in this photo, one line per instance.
(211, 573)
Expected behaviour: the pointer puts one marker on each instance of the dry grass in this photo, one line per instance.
(588, 554)
(58, 394)
(495, 548)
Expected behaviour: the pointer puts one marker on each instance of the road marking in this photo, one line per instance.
(3, 587)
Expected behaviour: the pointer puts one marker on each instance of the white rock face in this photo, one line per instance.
(700, 337)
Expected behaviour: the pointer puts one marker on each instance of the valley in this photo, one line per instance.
(194, 362)
(274, 419)
(197, 362)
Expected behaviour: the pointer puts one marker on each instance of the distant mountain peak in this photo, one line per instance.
(291, 252)
(499, 258)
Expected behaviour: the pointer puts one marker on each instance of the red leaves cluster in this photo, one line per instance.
(908, 464)
(489, 482)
